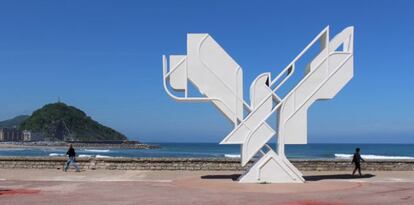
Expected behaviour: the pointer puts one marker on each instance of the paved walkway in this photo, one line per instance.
(199, 187)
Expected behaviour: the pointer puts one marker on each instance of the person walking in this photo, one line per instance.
(357, 161)
(71, 159)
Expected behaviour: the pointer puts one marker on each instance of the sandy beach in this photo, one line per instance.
(24, 186)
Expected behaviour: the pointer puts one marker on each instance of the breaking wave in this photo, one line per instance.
(232, 155)
(85, 155)
(97, 150)
(371, 156)
(102, 156)
(80, 156)
(56, 155)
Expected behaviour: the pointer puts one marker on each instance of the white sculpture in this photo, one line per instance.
(220, 80)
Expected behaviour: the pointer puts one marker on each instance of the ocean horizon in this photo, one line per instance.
(215, 150)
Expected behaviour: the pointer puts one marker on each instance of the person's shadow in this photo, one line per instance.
(336, 176)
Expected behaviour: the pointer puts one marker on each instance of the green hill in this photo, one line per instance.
(58, 121)
(14, 123)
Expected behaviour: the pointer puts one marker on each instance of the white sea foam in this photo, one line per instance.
(232, 155)
(56, 154)
(85, 155)
(371, 156)
(97, 150)
(13, 149)
(102, 156)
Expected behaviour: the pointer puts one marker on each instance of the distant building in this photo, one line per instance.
(10, 135)
(29, 136)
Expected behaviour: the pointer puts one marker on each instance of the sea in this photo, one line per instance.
(214, 150)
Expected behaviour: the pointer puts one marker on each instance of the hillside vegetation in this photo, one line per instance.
(58, 121)
(15, 122)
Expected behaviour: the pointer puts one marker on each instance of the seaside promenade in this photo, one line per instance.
(49, 186)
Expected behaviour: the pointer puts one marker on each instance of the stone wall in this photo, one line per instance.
(193, 164)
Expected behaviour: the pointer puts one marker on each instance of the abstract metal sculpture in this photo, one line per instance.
(220, 80)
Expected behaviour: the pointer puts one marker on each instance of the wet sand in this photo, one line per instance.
(27, 186)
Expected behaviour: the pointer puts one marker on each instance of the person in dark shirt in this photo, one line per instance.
(71, 159)
(357, 161)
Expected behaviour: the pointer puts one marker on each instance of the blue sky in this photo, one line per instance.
(104, 57)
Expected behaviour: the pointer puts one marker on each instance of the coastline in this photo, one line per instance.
(42, 145)
(201, 150)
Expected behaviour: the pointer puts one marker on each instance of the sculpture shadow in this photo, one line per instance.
(233, 177)
(336, 176)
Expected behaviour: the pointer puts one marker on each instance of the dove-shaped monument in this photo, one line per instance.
(219, 79)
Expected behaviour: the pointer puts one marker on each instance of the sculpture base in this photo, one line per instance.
(271, 168)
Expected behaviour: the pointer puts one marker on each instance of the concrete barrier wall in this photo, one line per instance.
(193, 164)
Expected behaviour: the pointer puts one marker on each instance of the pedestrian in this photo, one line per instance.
(357, 161)
(71, 159)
